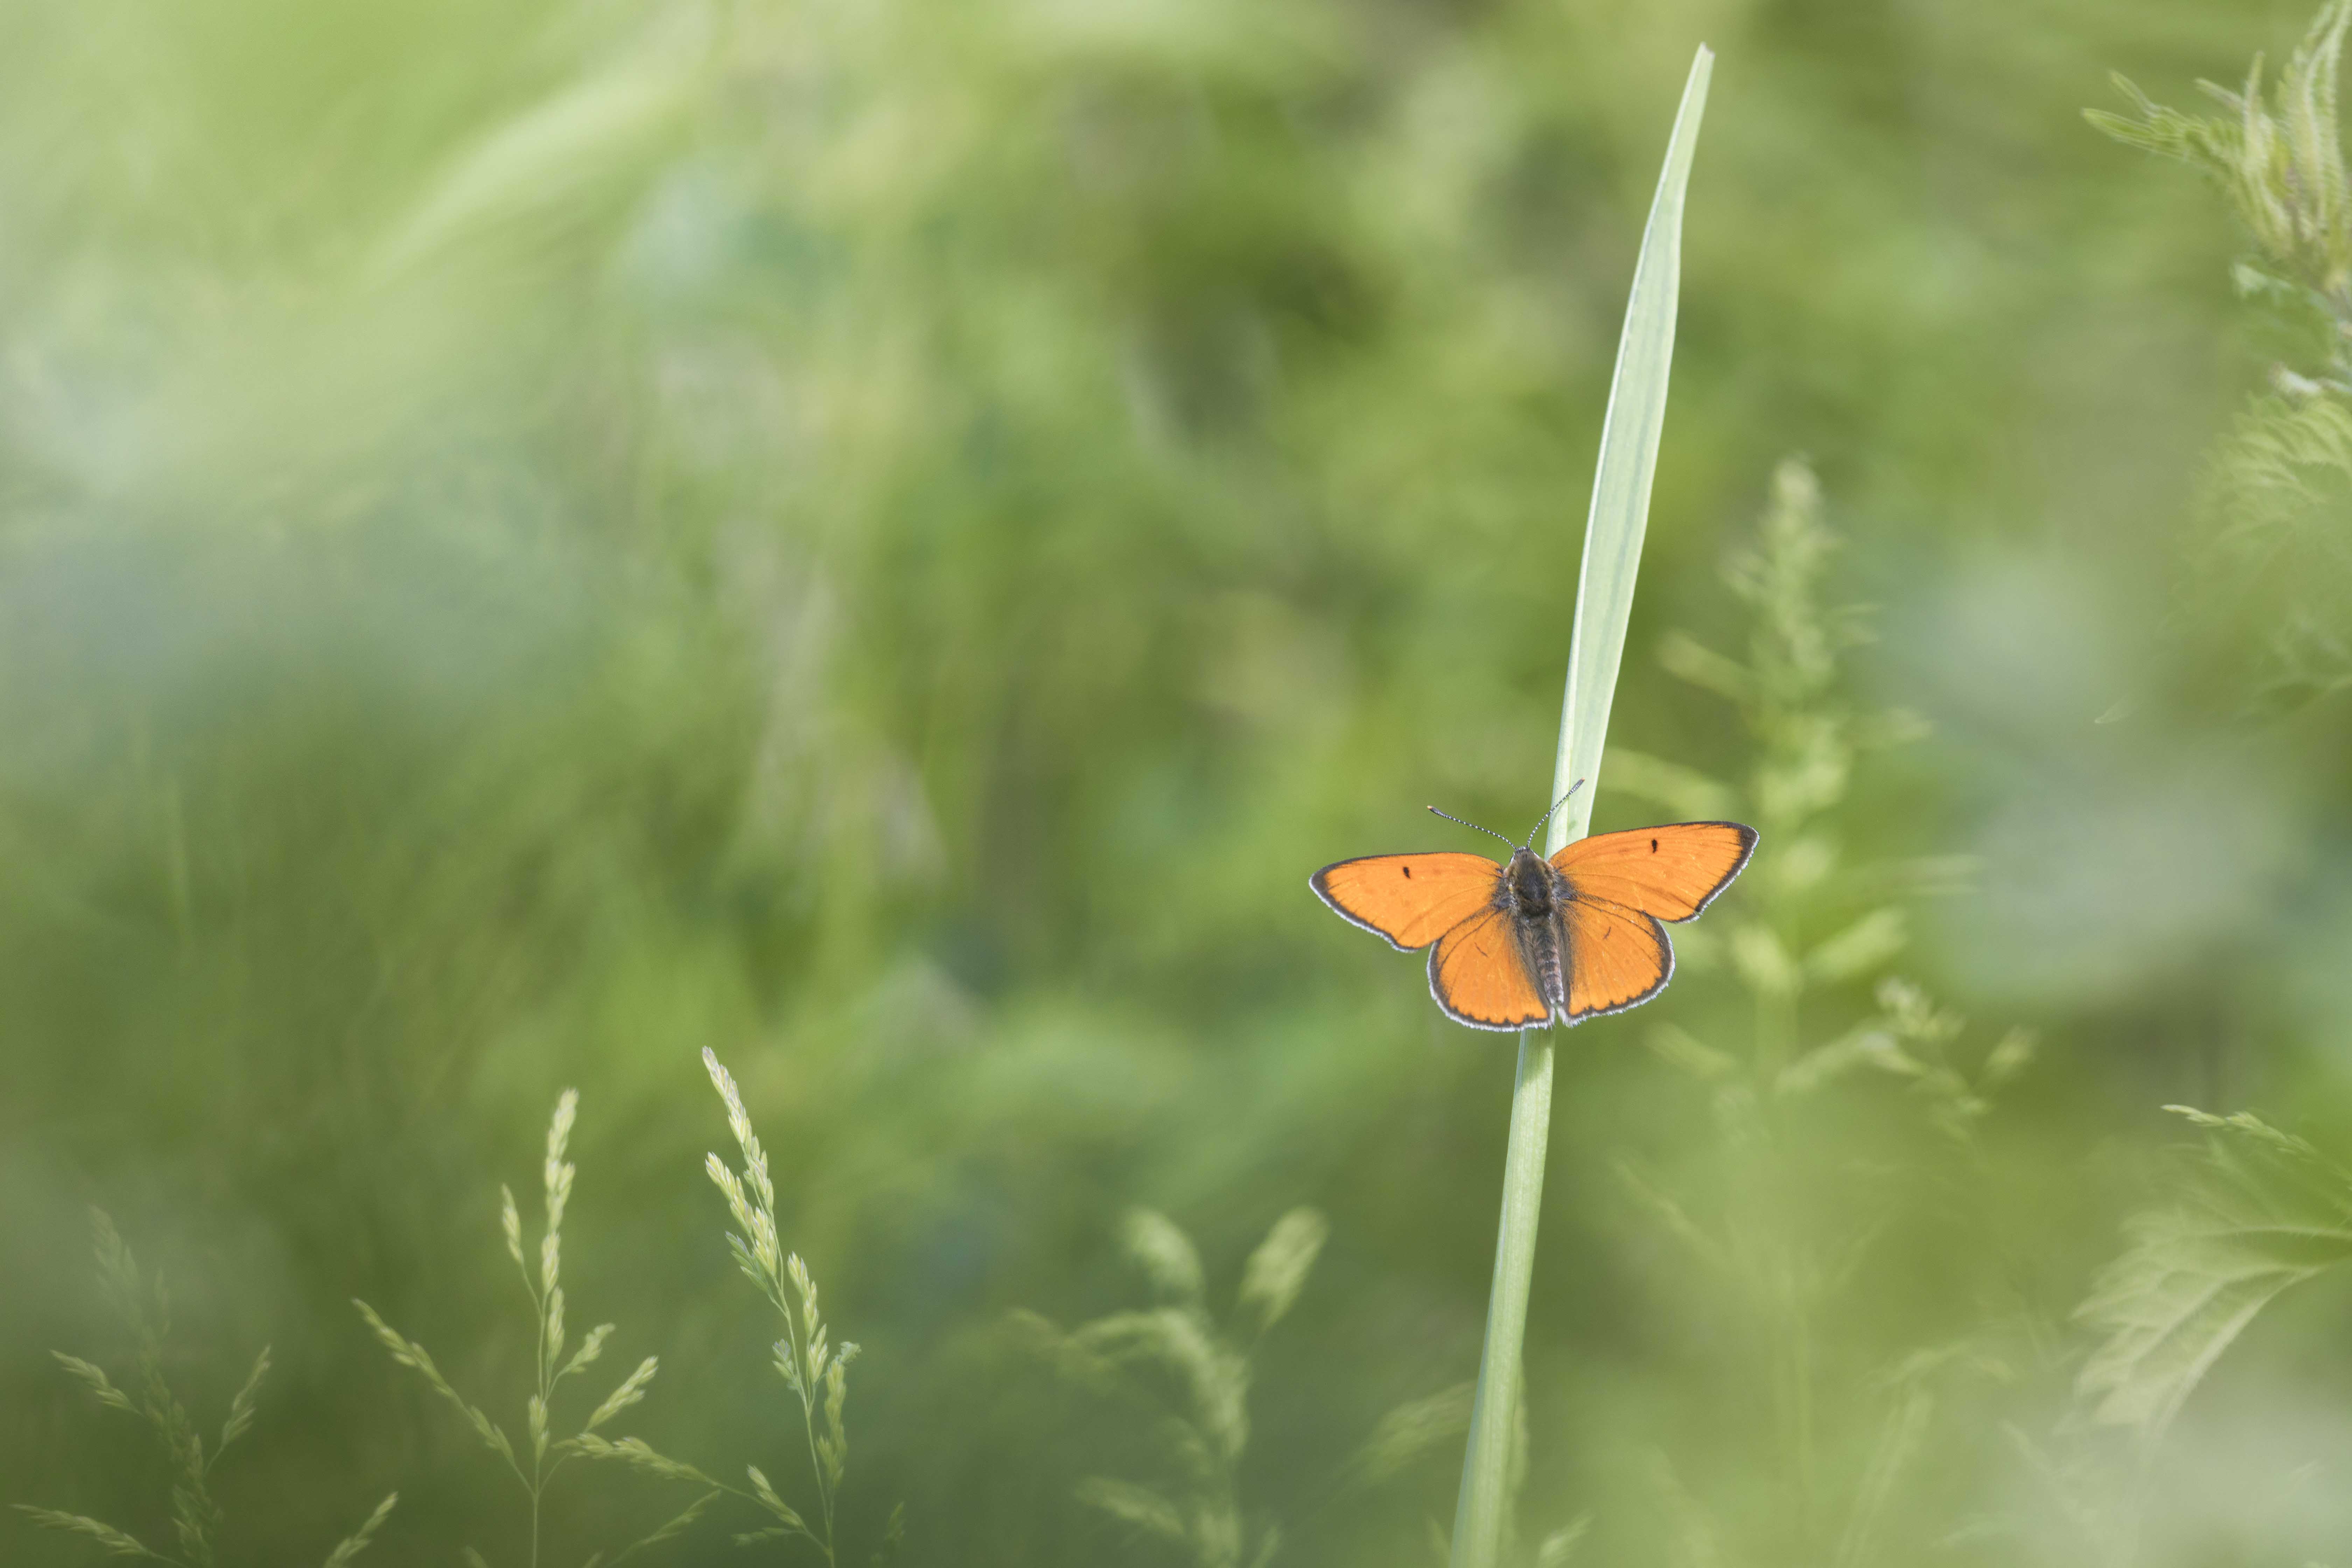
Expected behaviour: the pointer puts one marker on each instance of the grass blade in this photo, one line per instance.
(354, 1543)
(1620, 485)
(1604, 600)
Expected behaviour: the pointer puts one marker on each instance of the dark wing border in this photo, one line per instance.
(1748, 838)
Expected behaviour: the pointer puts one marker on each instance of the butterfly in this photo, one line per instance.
(1519, 943)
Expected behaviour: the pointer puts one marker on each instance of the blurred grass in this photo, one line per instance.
(540, 538)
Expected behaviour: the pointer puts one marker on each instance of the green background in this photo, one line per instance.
(889, 539)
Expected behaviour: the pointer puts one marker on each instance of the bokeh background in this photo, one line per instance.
(887, 541)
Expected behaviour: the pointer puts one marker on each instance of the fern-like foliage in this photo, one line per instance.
(144, 1307)
(2275, 151)
(1804, 921)
(2259, 1212)
(2278, 555)
(2268, 584)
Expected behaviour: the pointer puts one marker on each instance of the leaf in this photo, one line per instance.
(1692, 660)
(241, 1409)
(119, 1281)
(194, 1517)
(1620, 513)
(1676, 1220)
(773, 1503)
(1860, 947)
(510, 1225)
(1679, 1047)
(1869, 1046)
(637, 1453)
(1560, 1545)
(1686, 792)
(1165, 1254)
(354, 1543)
(94, 1377)
(833, 1449)
(675, 1526)
(1912, 1014)
(590, 1349)
(1762, 962)
(116, 1541)
(409, 1353)
(1214, 1376)
(2263, 1212)
(1409, 1431)
(894, 1536)
(548, 164)
(1277, 1270)
(1138, 1508)
(1690, 1542)
(631, 1390)
(2253, 1126)
(1898, 1444)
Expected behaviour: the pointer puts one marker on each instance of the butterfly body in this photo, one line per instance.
(1519, 943)
(1536, 890)
(1537, 897)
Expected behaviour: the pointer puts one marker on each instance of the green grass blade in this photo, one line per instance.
(1604, 599)
(1484, 1503)
(1621, 486)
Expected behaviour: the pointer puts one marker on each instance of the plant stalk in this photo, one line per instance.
(1605, 600)
(1483, 1509)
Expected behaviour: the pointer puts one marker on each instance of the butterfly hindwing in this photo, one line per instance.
(1669, 872)
(1479, 975)
(1617, 957)
(1412, 899)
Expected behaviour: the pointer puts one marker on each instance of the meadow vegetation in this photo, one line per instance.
(545, 544)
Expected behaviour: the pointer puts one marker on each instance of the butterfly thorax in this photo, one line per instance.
(1531, 885)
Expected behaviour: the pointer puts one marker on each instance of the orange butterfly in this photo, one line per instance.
(1522, 944)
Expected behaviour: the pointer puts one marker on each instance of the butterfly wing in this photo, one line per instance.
(1617, 958)
(1412, 899)
(1479, 976)
(1671, 872)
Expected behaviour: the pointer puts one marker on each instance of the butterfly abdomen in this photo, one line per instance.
(1534, 894)
(1543, 950)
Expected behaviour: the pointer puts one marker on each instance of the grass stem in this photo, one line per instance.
(1483, 1505)
(1604, 602)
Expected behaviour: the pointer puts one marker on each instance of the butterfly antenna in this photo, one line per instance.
(1555, 807)
(1451, 817)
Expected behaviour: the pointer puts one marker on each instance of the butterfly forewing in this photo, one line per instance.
(1616, 958)
(1412, 899)
(1669, 872)
(1479, 975)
